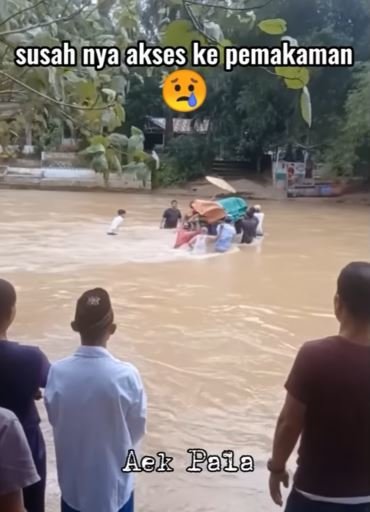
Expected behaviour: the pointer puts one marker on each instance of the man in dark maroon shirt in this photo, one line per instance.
(328, 405)
(23, 371)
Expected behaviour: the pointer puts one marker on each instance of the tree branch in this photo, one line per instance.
(226, 7)
(43, 23)
(199, 28)
(49, 98)
(11, 91)
(21, 11)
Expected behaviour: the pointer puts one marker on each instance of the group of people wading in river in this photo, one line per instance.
(197, 228)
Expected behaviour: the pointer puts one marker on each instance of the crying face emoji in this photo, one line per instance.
(184, 90)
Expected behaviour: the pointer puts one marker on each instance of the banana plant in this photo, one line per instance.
(117, 153)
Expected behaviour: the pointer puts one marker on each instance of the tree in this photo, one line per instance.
(351, 149)
(87, 101)
(249, 109)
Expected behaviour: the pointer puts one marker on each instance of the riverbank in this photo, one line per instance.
(87, 180)
(258, 191)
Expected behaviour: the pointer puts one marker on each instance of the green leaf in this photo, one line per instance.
(44, 38)
(118, 140)
(113, 161)
(99, 140)
(306, 108)
(100, 164)
(120, 113)
(135, 146)
(136, 131)
(94, 149)
(109, 119)
(17, 40)
(181, 33)
(142, 173)
(86, 91)
(274, 26)
(294, 77)
(111, 95)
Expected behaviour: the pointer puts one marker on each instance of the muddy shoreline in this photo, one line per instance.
(246, 188)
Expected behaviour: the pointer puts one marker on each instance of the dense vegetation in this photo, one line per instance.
(251, 110)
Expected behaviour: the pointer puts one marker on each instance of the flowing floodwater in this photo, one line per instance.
(213, 338)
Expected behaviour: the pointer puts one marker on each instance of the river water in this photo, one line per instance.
(213, 338)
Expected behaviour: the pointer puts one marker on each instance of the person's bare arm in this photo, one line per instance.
(12, 502)
(288, 429)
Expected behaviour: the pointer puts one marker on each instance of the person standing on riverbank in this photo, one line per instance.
(23, 371)
(171, 217)
(96, 405)
(17, 469)
(328, 405)
(117, 222)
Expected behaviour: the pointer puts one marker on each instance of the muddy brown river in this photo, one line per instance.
(213, 338)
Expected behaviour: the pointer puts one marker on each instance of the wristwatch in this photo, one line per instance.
(272, 468)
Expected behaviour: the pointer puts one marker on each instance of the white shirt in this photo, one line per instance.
(96, 405)
(200, 244)
(260, 217)
(342, 501)
(116, 223)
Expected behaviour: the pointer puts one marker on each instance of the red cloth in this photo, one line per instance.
(183, 237)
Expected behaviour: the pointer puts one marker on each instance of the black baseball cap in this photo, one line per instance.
(93, 312)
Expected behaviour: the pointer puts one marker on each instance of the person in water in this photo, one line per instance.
(117, 222)
(327, 405)
(23, 372)
(198, 244)
(249, 227)
(225, 235)
(96, 405)
(171, 217)
(17, 469)
(260, 216)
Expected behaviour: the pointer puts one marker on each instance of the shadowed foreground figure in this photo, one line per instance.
(97, 407)
(328, 405)
(17, 469)
(23, 371)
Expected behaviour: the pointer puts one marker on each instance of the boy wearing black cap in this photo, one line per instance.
(97, 407)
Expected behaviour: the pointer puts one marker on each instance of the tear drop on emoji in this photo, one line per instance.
(184, 90)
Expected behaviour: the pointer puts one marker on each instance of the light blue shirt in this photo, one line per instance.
(96, 405)
(225, 234)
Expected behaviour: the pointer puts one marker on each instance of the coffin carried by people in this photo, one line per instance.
(208, 211)
(235, 207)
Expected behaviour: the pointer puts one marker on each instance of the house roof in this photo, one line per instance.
(181, 125)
